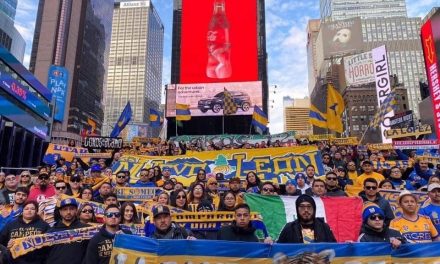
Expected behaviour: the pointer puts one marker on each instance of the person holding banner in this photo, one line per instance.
(416, 228)
(9, 214)
(86, 214)
(72, 253)
(165, 228)
(374, 229)
(421, 174)
(146, 179)
(99, 249)
(121, 179)
(28, 224)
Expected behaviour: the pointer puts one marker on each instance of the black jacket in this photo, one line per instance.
(370, 235)
(291, 232)
(383, 204)
(174, 232)
(100, 247)
(17, 229)
(72, 253)
(336, 193)
(234, 233)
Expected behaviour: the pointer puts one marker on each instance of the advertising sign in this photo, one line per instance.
(400, 120)
(102, 143)
(383, 85)
(134, 4)
(207, 99)
(57, 83)
(218, 41)
(359, 69)
(342, 37)
(430, 39)
(23, 95)
(132, 131)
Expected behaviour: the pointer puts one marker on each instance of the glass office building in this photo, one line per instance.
(135, 62)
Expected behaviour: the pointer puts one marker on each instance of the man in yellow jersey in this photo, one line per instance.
(367, 167)
(414, 227)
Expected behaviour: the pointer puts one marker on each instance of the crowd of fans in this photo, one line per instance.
(26, 199)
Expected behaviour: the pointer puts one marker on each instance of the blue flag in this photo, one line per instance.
(155, 120)
(122, 121)
(259, 119)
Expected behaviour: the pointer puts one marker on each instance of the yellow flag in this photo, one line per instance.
(335, 109)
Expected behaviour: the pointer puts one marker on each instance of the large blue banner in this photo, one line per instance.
(134, 249)
(57, 83)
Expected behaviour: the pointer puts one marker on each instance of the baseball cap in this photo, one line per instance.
(60, 170)
(68, 201)
(433, 186)
(367, 162)
(300, 175)
(291, 181)
(95, 168)
(405, 193)
(372, 210)
(160, 209)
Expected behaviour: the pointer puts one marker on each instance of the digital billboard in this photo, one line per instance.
(359, 69)
(207, 99)
(218, 41)
(431, 49)
(57, 83)
(341, 37)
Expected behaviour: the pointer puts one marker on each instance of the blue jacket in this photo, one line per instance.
(143, 184)
(11, 217)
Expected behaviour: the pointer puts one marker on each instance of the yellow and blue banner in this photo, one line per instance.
(270, 164)
(56, 151)
(317, 118)
(135, 193)
(155, 118)
(182, 112)
(133, 249)
(335, 109)
(259, 119)
(122, 121)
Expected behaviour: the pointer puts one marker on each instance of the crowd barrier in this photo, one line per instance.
(129, 250)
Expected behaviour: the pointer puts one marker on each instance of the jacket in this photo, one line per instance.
(234, 233)
(383, 204)
(173, 232)
(7, 196)
(18, 229)
(100, 247)
(370, 235)
(336, 193)
(72, 253)
(292, 233)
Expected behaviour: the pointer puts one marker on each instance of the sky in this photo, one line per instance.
(286, 40)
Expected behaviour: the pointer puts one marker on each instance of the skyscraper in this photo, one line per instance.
(312, 35)
(296, 117)
(75, 35)
(343, 9)
(385, 22)
(10, 38)
(135, 62)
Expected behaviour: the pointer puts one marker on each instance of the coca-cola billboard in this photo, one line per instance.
(218, 41)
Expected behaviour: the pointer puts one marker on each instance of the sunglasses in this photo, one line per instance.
(26, 175)
(120, 177)
(268, 190)
(180, 197)
(213, 183)
(87, 211)
(371, 187)
(76, 180)
(43, 178)
(115, 214)
(60, 187)
(332, 178)
(376, 217)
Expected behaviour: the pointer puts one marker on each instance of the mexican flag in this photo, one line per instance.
(342, 214)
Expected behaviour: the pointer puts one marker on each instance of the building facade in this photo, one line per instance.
(296, 117)
(75, 35)
(10, 38)
(361, 105)
(135, 62)
(312, 64)
(343, 9)
(25, 114)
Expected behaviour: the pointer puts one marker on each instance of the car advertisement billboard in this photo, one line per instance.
(359, 69)
(207, 99)
(341, 37)
(218, 41)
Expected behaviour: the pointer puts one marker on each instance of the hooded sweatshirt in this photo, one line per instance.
(235, 233)
(369, 234)
(293, 231)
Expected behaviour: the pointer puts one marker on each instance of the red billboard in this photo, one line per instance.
(218, 41)
(431, 36)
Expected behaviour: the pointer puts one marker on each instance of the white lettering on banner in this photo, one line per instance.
(383, 86)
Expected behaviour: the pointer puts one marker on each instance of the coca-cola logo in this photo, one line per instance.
(18, 91)
(212, 35)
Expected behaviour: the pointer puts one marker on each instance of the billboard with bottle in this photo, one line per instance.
(219, 41)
